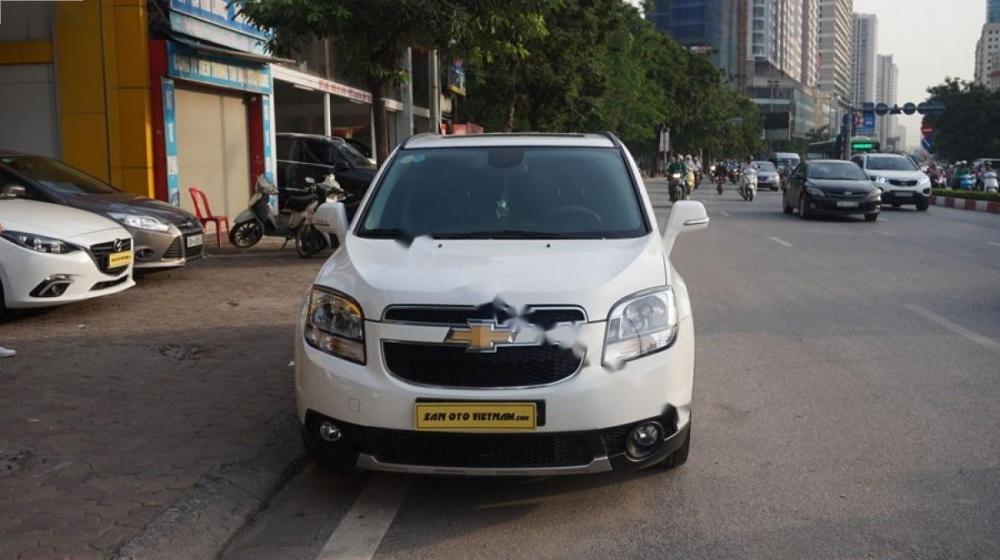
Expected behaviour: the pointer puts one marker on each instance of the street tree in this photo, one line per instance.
(966, 130)
(371, 36)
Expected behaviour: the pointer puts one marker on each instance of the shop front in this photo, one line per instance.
(216, 125)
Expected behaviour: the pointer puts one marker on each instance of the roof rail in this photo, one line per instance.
(420, 134)
(611, 136)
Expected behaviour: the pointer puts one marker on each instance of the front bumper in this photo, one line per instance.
(908, 196)
(585, 423)
(831, 206)
(167, 249)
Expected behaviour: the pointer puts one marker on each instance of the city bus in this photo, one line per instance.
(830, 149)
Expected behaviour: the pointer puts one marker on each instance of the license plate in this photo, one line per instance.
(902, 194)
(497, 417)
(194, 240)
(116, 260)
(847, 205)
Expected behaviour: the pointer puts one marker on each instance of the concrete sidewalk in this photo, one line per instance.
(114, 409)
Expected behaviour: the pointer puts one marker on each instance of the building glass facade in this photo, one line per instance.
(702, 24)
(992, 11)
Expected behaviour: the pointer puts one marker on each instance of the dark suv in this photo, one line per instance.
(316, 156)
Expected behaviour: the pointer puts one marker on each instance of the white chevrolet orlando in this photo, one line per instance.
(502, 304)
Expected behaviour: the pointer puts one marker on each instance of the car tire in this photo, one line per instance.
(871, 217)
(679, 457)
(803, 208)
(922, 206)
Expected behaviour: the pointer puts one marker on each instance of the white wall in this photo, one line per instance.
(28, 107)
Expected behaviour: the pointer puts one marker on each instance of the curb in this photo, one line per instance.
(966, 204)
(199, 524)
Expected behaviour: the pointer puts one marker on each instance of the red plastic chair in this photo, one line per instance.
(204, 214)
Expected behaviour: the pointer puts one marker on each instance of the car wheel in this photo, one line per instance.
(922, 206)
(803, 208)
(871, 217)
(246, 234)
(679, 457)
(3, 305)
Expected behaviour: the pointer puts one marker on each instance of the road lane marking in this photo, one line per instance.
(726, 214)
(885, 233)
(781, 242)
(993, 243)
(360, 532)
(953, 327)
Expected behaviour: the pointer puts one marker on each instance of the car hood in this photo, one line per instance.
(52, 220)
(593, 274)
(840, 187)
(132, 204)
(899, 175)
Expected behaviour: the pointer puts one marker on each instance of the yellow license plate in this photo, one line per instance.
(497, 417)
(119, 259)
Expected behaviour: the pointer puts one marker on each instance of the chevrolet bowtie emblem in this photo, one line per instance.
(480, 337)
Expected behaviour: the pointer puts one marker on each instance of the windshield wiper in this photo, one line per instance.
(504, 234)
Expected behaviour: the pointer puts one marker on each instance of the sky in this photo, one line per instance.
(929, 40)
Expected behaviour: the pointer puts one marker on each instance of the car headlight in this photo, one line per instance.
(880, 180)
(924, 181)
(335, 325)
(140, 222)
(813, 191)
(640, 325)
(676, 176)
(39, 243)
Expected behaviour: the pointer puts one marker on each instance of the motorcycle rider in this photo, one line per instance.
(721, 173)
(692, 174)
(677, 166)
(748, 166)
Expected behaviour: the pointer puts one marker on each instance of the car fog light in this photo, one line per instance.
(644, 439)
(144, 254)
(329, 432)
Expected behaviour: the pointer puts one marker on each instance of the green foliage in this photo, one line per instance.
(601, 66)
(968, 127)
(973, 195)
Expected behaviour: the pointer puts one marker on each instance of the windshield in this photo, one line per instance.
(57, 176)
(836, 171)
(506, 192)
(883, 163)
(765, 166)
(354, 155)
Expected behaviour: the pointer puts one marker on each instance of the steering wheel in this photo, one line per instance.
(579, 211)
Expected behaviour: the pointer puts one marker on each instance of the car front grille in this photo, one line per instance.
(901, 183)
(854, 195)
(174, 250)
(452, 366)
(545, 317)
(102, 251)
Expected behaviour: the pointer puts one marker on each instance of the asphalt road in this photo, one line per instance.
(847, 389)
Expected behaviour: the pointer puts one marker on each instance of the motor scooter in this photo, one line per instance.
(260, 219)
(990, 182)
(677, 187)
(748, 184)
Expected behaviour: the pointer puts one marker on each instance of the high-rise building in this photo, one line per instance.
(702, 25)
(836, 48)
(992, 11)
(987, 67)
(810, 43)
(865, 57)
(887, 83)
(776, 38)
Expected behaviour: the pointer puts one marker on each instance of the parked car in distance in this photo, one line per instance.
(504, 304)
(898, 177)
(315, 156)
(790, 160)
(767, 175)
(52, 254)
(164, 236)
(831, 187)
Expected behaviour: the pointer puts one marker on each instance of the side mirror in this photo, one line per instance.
(331, 218)
(13, 191)
(686, 215)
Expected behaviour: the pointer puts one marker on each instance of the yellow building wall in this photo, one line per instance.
(101, 53)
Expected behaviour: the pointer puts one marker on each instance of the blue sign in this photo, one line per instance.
(927, 143)
(224, 13)
(170, 143)
(189, 64)
(868, 124)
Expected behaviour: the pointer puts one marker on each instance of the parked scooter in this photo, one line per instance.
(678, 188)
(990, 182)
(748, 184)
(260, 220)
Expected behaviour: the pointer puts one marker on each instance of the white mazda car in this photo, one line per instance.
(52, 254)
(501, 305)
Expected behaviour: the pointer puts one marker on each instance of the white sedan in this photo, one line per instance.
(52, 254)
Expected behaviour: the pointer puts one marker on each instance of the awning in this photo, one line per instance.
(212, 49)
